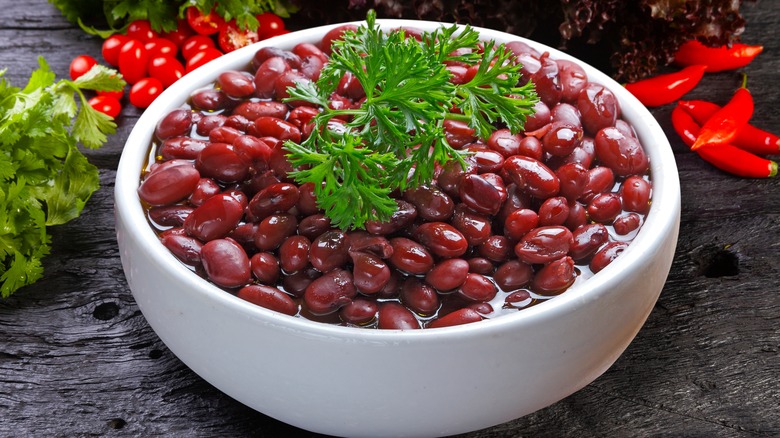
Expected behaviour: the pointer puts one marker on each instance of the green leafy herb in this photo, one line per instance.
(396, 138)
(44, 179)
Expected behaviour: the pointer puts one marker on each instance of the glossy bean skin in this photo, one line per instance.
(605, 255)
(221, 162)
(286, 56)
(185, 248)
(296, 283)
(331, 291)
(377, 245)
(169, 185)
(573, 79)
(541, 117)
(276, 198)
(544, 244)
(236, 84)
(419, 297)
(477, 287)
(252, 110)
(458, 317)
(598, 106)
(393, 315)
(601, 179)
(176, 123)
(573, 178)
(567, 114)
(265, 267)
(496, 248)
(532, 176)
(277, 128)
(604, 207)
(481, 265)
(520, 222)
(186, 148)
(404, 215)
(359, 312)
(170, 215)
(205, 189)
(513, 275)
(442, 239)
(623, 154)
(554, 211)
(586, 240)
(314, 225)
(458, 133)
(273, 230)
(215, 218)
(504, 142)
(226, 263)
(267, 74)
(627, 223)
(447, 275)
(430, 202)
(480, 194)
(210, 100)
(561, 139)
(548, 84)
(635, 194)
(475, 227)
(294, 253)
(370, 273)
(410, 256)
(208, 123)
(554, 277)
(269, 297)
(329, 251)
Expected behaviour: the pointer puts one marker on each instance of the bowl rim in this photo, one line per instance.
(661, 219)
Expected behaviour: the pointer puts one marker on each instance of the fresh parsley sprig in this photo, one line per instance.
(44, 179)
(395, 139)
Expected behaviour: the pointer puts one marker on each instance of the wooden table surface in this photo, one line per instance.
(77, 358)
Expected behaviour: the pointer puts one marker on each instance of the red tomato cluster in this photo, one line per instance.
(151, 62)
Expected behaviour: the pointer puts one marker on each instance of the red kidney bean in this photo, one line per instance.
(253, 151)
(311, 67)
(176, 123)
(625, 128)
(404, 216)
(208, 123)
(520, 222)
(519, 299)
(221, 162)
(244, 234)
(458, 317)
(566, 114)
(205, 189)
(480, 194)
(561, 139)
(547, 82)
(604, 207)
(419, 297)
(515, 200)
(627, 223)
(313, 225)
(481, 265)
(296, 283)
(185, 148)
(269, 297)
(265, 267)
(431, 203)
(583, 154)
(532, 176)
(488, 160)
(215, 218)
(475, 227)
(541, 117)
(236, 84)
(410, 257)
(544, 244)
(442, 239)
(226, 263)
(573, 79)
(169, 185)
(264, 53)
(252, 110)
(635, 194)
(555, 277)
(294, 253)
(573, 178)
(577, 216)
(600, 180)
(359, 312)
(531, 147)
(224, 134)
(477, 287)
(606, 254)
(370, 273)
(393, 315)
(209, 99)
(496, 248)
(377, 245)
(185, 248)
(277, 128)
(278, 161)
(448, 274)
(307, 49)
(513, 275)
(170, 215)
(451, 174)
(458, 133)
(267, 74)
(329, 251)
(624, 155)
(504, 142)
(330, 292)
(300, 116)
(276, 198)
(273, 230)
(289, 79)
(237, 121)
(554, 211)
(586, 240)
(598, 106)
(529, 64)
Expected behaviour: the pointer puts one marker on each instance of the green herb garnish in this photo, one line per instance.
(44, 179)
(394, 140)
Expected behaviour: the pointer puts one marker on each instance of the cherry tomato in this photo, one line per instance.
(204, 24)
(113, 94)
(166, 69)
(195, 44)
(232, 38)
(106, 105)
(180, 35)
(111, 47)
(201, 58)
(142, 31)
(143, 93)
(80, 65)
(132, 61)
(270, 25)
(161, 47)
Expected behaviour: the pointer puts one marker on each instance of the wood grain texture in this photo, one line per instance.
(77, 357)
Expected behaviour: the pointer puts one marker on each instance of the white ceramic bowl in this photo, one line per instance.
(359, 382)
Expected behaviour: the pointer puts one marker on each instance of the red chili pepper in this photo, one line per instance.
(666, 88)
(727, 57)
(723, 126)
(725, 157)
(749, 138)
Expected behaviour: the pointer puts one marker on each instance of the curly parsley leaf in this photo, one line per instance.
(396, 138)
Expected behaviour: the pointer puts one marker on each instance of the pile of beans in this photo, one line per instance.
(532, 213)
